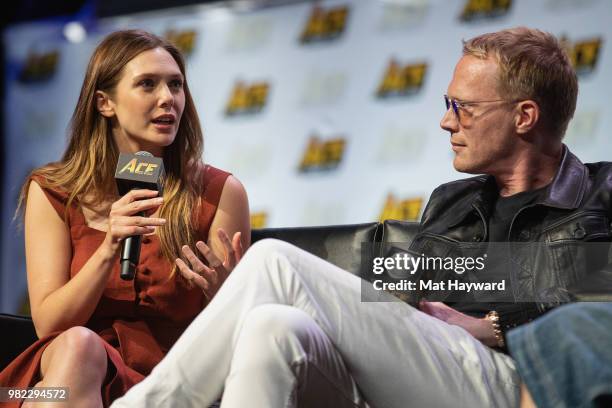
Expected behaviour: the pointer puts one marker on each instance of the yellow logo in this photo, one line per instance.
(247, 99)
(401, 80)
(139, 168)
(184, 40)
(324, 25)
(584, 54)
(259, 220)
(39, 67)
(484, 9)
(322, 154)
(407, 210)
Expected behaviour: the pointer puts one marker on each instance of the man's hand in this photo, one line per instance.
(481, 329)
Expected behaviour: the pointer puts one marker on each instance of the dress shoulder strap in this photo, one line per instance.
(213, 180)
(57, 198)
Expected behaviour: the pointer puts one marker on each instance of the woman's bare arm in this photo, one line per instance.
(58, 302)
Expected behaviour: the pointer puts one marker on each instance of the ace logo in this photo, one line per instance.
(406, 209)
(136, 167)
(401, 80)
(184, 40)
(474, 10)
(324, 25)
(584, 54)
(322, 155)
(247, 99)
(39, 67)
(259, 219)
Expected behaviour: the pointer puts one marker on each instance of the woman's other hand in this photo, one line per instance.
(209, 275)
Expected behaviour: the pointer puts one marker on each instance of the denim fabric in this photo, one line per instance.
(565, 357)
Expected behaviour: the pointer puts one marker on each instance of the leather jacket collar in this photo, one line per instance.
(569, 184)
(565, 191)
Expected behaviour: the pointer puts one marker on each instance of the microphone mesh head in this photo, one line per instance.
(143, 153)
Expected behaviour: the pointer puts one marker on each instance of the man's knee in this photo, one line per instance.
(266, 253)
(269, 247)
(274, 328)
(278, 321)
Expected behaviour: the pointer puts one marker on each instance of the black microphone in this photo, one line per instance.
(136, 171)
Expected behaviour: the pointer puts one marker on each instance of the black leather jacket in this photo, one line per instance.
(575, 208)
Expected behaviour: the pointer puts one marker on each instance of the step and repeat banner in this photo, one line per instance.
(328, 111)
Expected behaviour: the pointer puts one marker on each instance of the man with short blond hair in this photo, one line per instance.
(532, 64)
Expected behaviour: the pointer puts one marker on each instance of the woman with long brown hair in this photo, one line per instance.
(98, 332)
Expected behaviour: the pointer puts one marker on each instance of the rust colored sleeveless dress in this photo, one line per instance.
(138, 320)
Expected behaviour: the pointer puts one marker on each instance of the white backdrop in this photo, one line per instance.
(307, 134)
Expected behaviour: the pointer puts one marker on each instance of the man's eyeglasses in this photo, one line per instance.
(461, 105)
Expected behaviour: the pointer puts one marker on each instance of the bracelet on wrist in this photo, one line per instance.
(493, 317)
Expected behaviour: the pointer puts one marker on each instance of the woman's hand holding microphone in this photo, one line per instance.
(124, 219)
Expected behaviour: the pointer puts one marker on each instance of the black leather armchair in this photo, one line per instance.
(17, 334)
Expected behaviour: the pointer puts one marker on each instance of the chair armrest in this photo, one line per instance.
(18, 333)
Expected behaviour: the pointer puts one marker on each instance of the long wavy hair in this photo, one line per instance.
(86, 170)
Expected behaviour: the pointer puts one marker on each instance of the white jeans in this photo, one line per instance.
(288, 327)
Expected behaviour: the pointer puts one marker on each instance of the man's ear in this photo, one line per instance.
(104, 104)
(527, 116)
